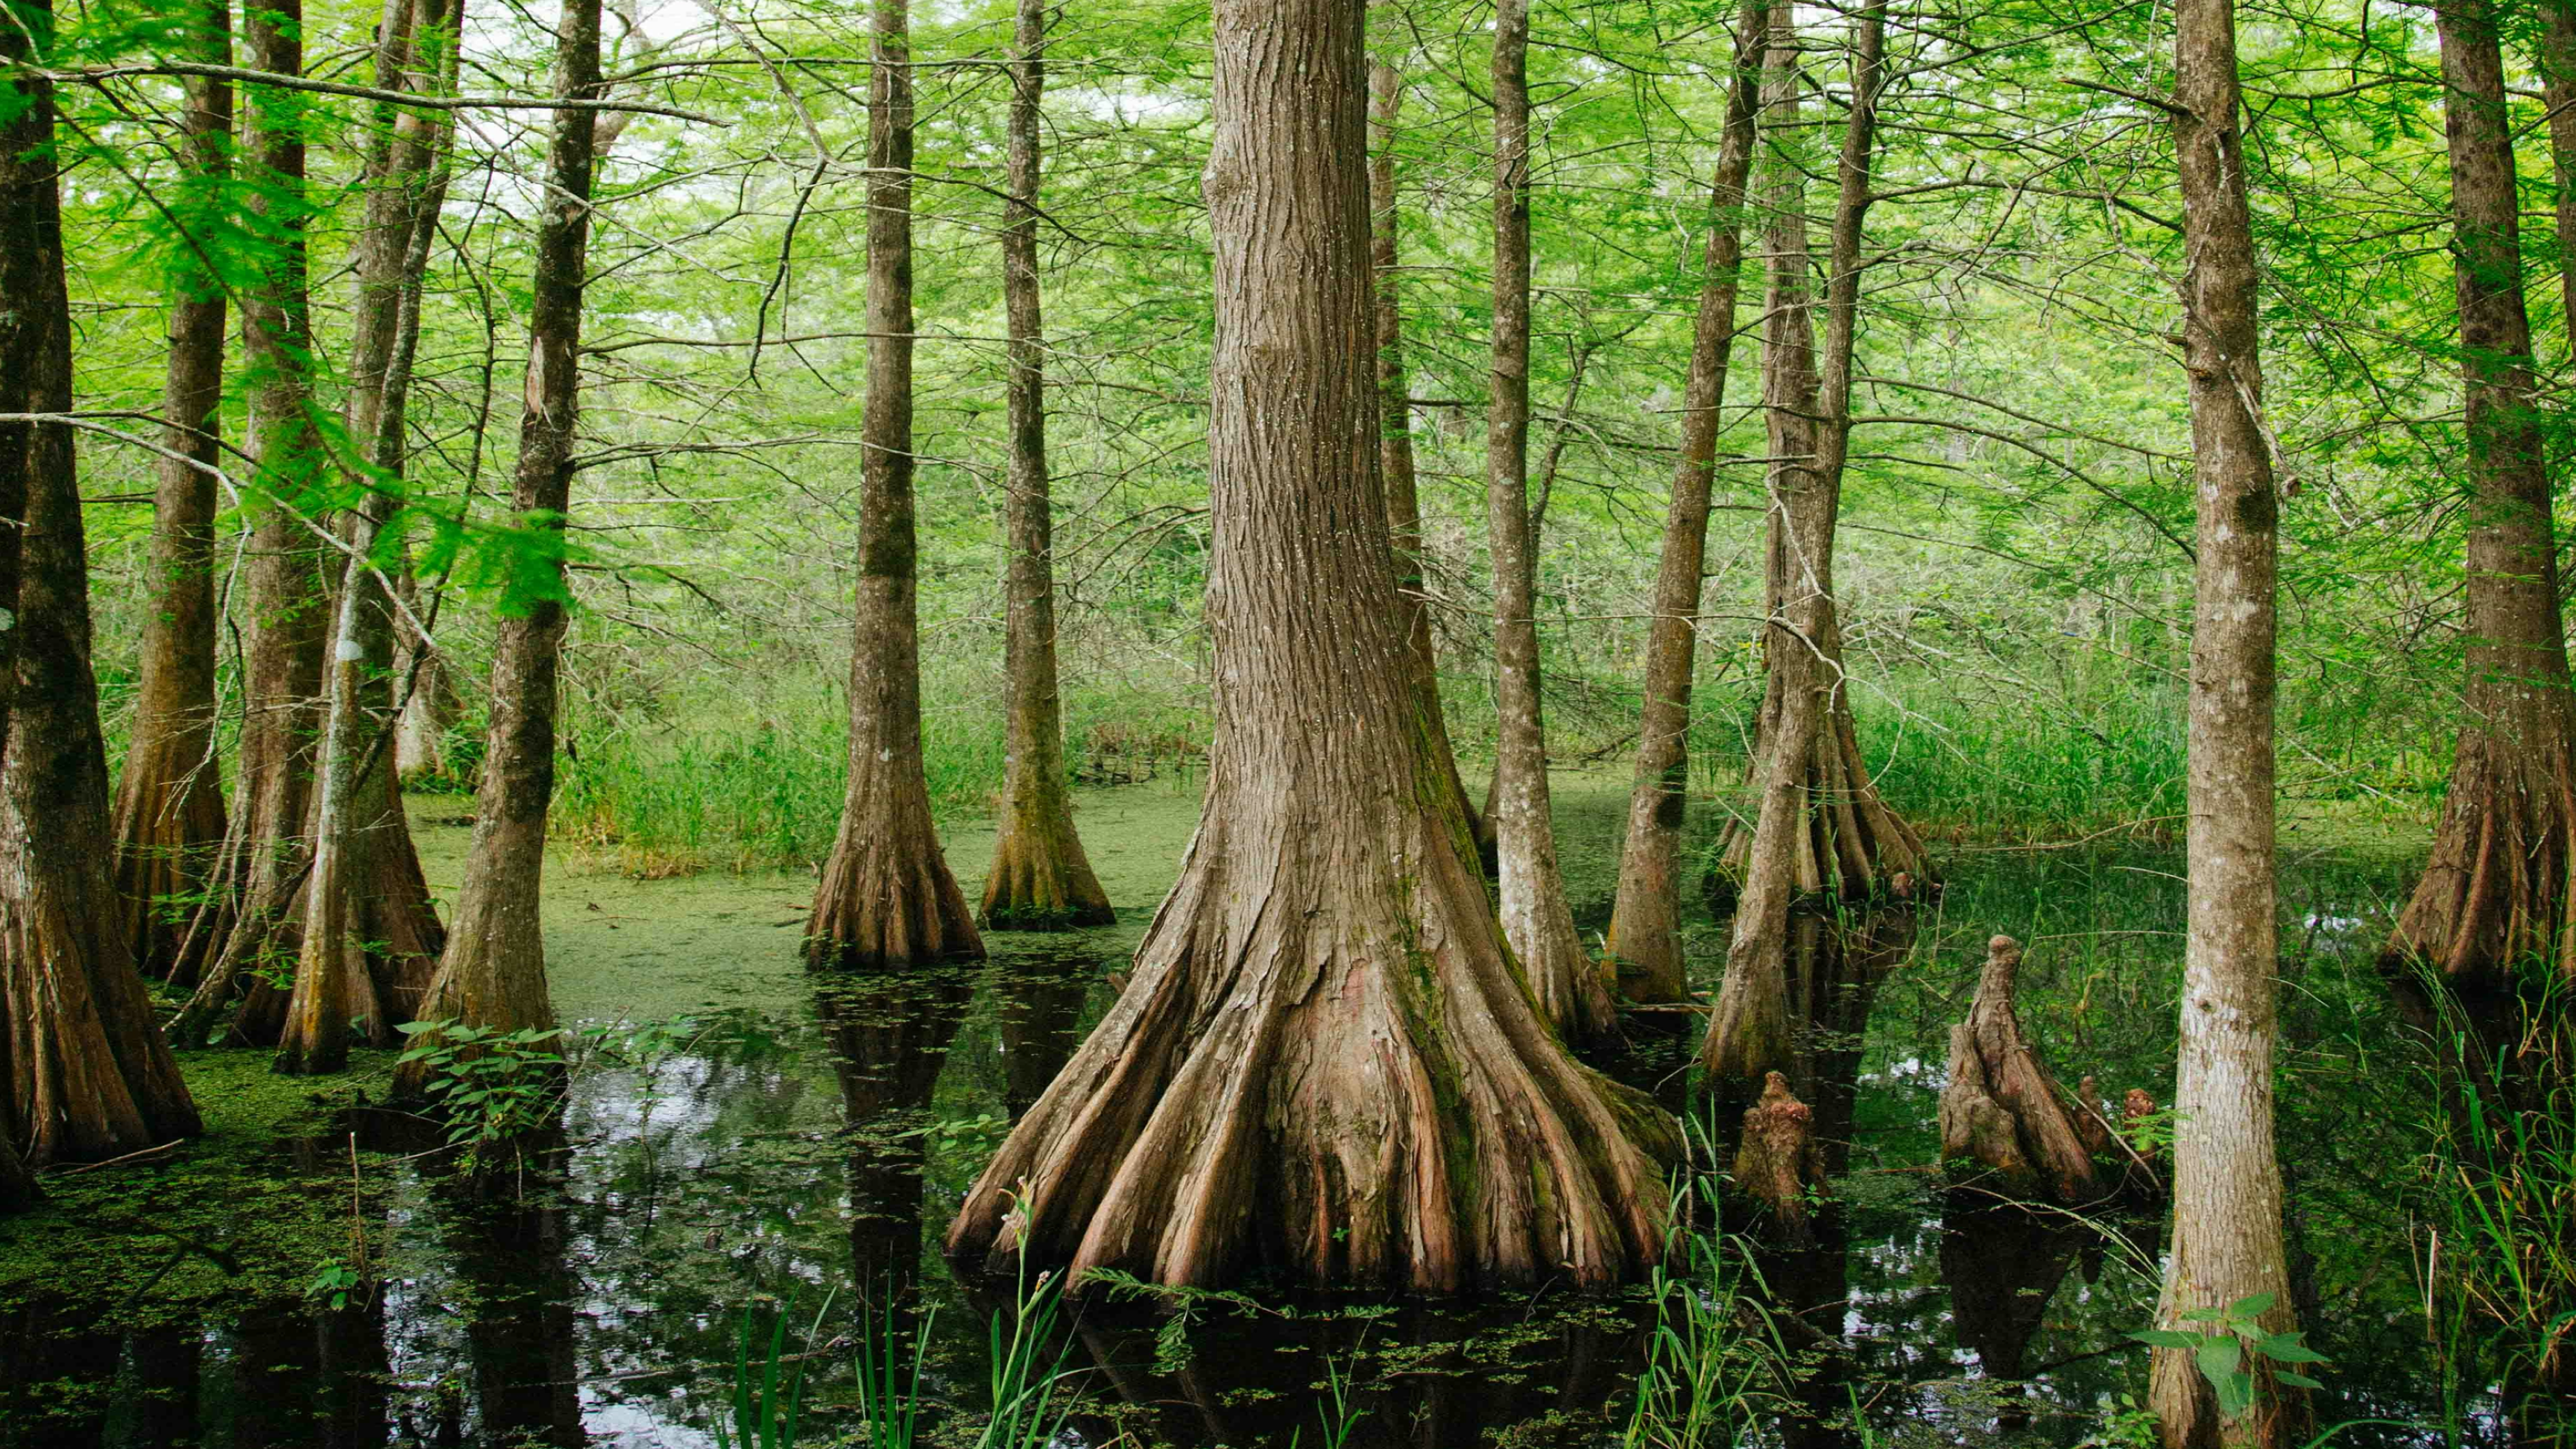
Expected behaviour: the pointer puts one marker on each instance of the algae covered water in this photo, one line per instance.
(743, 1143)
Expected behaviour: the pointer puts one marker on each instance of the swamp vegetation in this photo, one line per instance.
(903, 853)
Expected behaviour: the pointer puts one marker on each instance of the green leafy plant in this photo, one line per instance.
(767, 1410)
(334, 1282)
(489, 1085)
(1714, 1358)
(2232, 1349)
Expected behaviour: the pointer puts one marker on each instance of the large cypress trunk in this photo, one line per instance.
(87, 1076)
(1645, 923)
(1325, 1060)
(1040, 879)
(2494, 894)
(493, 973)
(169, 820)
(1395, 451)
(887, 897)
(246, 919)
(1536, 919)
(2227, 1179)
(365, 886)
(1822, 825)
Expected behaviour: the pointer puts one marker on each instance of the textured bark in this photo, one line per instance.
(2000, 1108)
(1536, 918)
(1645, 923)
(2558, 74)
(1778, 1162)
(2494, 893)
(245, 929)
(1395, 449)
(887, 897)
(1324, 1061)
(169, 818)
(86, 1076)
(365, 883)
(1821, 824)
(2227, 1242)
(1040, 879)
(493, 972)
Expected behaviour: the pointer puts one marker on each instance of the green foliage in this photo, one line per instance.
(767, 1407)
(489, 1085)
(1714, 1359)
(2233, 1351)
(334, 1281)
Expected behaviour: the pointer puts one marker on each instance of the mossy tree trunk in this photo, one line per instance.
(1324, 1061)
(1821, 824)
(493, 973)
(1040, 878)
(244, 932)
(169, 818)
(365, 885)
(887, 897)
(87, 1077)
(1395, 451)
(2227, 1242)
(1537, 920)
(1645, 923)
(2494, 893)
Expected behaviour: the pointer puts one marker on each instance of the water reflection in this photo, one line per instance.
(888, 1035)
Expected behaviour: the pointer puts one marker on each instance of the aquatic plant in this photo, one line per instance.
(767, 1408)
(489, 1085)
(1714, 1357)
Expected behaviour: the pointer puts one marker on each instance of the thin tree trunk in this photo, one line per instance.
(1395, 453)
(87, 1077)
(1325, 1060)
(247, 915)
(362, 843)
(493, 973)
(2227, 1177)
(887, 897)
(1536, 919)
(1040, 878)
(169, 819)
(2558, 74)
(1822, 824)
(1645, 923)
(2493, 896)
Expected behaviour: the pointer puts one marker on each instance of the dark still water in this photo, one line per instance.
(796, 1147)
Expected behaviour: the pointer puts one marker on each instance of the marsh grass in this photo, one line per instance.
(2499, 1256)
(755, 783)
(1715, 1362)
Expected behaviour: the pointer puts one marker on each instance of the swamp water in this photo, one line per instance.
(797, 1145)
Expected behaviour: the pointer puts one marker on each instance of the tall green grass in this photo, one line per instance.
(754, 781)
(2029, 770)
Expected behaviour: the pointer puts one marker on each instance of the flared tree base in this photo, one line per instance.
(887, 900)
(1325, 1065)
(2494, 894)
(1042, 881)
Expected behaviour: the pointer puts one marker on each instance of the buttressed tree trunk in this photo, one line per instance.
(1645, 923)
(2494, 893)
(1536, 919)
(169, 820)
(245, 921)
(1324, 1060)
(2000, 1108)
(1822, 825)
(1040, 879)
(887, 897)
(365, 886)
(1395, 451)
(87, 1076)
(493, 973)
(2227, 1242)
